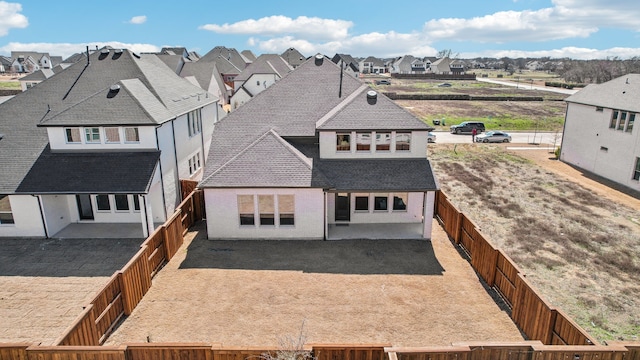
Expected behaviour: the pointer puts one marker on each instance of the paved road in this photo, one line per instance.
(517, 138)
(528, 86)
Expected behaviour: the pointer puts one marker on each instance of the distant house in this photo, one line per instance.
(28, 81)
(30, 61)
(258, 76)
(105, 141)
(349, 64)
(600, 135)
(293, 57)
(5, 64)
(409, 64)
(372, 65)
(441, 66)
(319, 156)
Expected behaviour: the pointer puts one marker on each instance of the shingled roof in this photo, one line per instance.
(80, 95)
(621, 93)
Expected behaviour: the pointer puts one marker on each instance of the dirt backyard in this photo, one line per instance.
(254, 293)
(575, 238)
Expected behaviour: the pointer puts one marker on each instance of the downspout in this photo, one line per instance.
(164, 200)
(175, 155)
(44, 223)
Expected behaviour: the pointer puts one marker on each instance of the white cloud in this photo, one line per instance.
(565, 52)
(138, 19)
(67, 49)
(10, 17)
(309, 27)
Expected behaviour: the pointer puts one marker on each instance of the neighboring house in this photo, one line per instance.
(409, 64)
(319, 156)
(293, 57)
(457, 67)
(36, 77)
(5, 64)
(36, 61)
(204, 73)
(228, 61)
(348, 63)
(248, 55)
(24, 64)
(372, 65)
(600, 135)
(104, 141)
(258, 76)
(441, 66)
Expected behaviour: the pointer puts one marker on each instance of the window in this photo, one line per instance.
(102, 202)
(131, 135)
(623, 120)
(246, 210)
(362, 202)
(136, 202)
(194, 122)
(343, 142)
(403, 141)
(111, 135)
(73, 135)
(6, 216)
(632, 118)
(122, 202)
(380, 202)
(286, 209)
(266, 209)
(194, 163)
(92, 135)
(363, 141)
(636, 172)
(383, 141)
(614, 120)
(400, 202)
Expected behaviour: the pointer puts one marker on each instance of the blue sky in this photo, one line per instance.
(579, 29)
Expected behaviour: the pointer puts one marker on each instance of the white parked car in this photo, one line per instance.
(493, 136)
(431, 137)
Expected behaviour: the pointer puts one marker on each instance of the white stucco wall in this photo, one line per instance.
(590, 144)
(413, 214)
(26, 217)
(59, 211)
(57, 140)
(240, 97)
(168, 167)
(209, 120)
(418, 148)
(223, 217)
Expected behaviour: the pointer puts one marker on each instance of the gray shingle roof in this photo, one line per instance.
(93, 172)
(265, 64)
(621, 93)
(75, 94)
(223, 55)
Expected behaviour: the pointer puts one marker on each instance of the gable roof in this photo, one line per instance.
(281, 165)
(620, 93)
(265, 64)
(293, 57)
(229, 55)
(39, 75)
(247, 54)
(69, 96)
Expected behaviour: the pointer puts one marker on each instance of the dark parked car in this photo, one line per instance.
(467, 127)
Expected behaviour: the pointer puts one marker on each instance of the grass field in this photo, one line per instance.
(577, 247)
(10, 85)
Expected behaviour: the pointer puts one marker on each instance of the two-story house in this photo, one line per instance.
(600, 135)
(319, 156)
(105, 141)
(372, 65)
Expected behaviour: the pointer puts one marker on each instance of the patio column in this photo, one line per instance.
(428, 208)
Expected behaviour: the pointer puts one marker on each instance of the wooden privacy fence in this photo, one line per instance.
(127, 287)
(171, 351)
(530, 312)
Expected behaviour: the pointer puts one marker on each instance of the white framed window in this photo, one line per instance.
(194, 122)
(112, 135)
(246, 210)
(400, 201)
(403, 141)
(72, 135)
(636, 171)
(266, 210)
(363, 141)
(614, 119)
(623, 121)
(343, 142)
(92, 135)
(194, 163)
(136, 203)
(286, 209)
(6, 215)
(383, 141)
(103, 203)
(380, 202)
(131, 135)
(122, 202)
(361, 202)
(632, 119)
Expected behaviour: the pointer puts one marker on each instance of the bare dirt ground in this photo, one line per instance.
(254, 293)
(576, 238)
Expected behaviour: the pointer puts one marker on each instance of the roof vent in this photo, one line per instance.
(114, 87)
(113, 91)
(104, 51)
(372, 97)
(319, 59)
(118, 51)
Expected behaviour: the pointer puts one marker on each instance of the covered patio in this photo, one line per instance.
(387, 231)
(101, 231)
